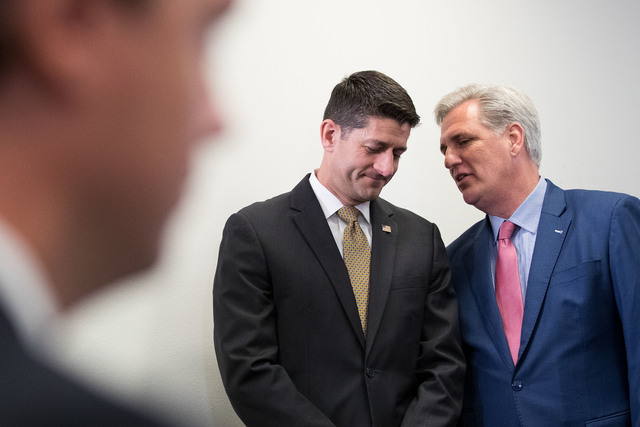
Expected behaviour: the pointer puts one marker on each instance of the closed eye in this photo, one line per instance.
(372, 150)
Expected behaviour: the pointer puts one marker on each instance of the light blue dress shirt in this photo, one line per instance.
(526, 217)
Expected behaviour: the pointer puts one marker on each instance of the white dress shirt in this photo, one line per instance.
(330, 205)
(25, 296)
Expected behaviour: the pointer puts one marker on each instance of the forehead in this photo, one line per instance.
(386, 130)
(467, 112)
(465, 118)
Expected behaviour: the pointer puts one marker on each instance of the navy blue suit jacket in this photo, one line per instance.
(579, 359)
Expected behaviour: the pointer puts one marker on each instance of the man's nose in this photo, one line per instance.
(451, 158)
(385, 163)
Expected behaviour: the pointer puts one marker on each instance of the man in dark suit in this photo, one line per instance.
(100, 104)
(33, 394)
(561, 347)
(296, 344)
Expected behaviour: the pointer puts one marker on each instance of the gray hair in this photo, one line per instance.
(499, 106)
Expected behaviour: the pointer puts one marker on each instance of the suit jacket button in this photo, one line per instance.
(516, 385)
(370, 372)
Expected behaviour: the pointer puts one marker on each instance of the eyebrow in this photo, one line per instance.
(460, 135)
(387, 145)
(456, 137)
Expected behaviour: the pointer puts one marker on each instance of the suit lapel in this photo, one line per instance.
(383, 254)
(552, 231)
(478, 270)
(310, 220)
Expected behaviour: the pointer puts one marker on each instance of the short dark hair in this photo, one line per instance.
(367, 94)
(7, 33)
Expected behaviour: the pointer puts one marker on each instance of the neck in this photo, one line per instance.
(37, 206)
(520, 187)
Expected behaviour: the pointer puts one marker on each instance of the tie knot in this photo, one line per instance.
(506, 230)
(348, 214)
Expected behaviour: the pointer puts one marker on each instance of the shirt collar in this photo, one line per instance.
(527, 216)
(25, 294)
(330, 203)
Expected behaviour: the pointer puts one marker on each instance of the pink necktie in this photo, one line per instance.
(508, 293)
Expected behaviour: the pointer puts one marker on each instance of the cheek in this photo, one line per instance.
(167, 83)
(481, 163)
(166, 112)
(148, 148)
(162, 118)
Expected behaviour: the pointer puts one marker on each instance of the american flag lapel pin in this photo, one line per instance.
(386, 228)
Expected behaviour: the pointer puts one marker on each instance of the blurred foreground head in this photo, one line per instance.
(101, 104)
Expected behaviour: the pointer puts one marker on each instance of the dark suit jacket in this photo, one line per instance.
(288, 339)
(579, 360)
(32, 394)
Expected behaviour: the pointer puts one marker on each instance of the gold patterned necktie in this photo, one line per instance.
(357, 257)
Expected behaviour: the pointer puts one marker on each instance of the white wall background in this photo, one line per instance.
(273, 64)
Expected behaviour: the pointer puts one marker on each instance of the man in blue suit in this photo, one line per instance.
(573, 354)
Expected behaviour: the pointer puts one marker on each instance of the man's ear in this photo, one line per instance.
(329, 134)
(61, 41)
(515, 133)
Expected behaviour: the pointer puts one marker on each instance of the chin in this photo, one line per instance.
(138, 264)
(118, 271)
(371, 196)
(469, 199)
(142, 254)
